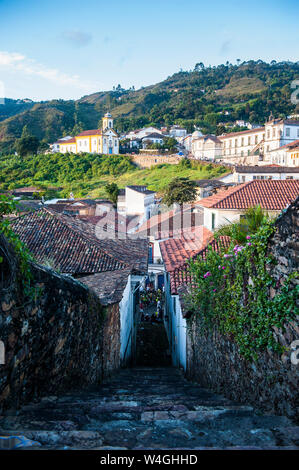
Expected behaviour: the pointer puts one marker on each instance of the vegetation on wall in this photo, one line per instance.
(231, 294)
(8, 206)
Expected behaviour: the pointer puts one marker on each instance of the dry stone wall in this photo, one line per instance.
(59, 338)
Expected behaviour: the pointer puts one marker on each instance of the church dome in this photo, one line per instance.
(108, 115)
(197, 134)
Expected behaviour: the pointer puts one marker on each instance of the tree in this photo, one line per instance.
(249, 224)
(27, 144)
(180, 191)
(112, 191)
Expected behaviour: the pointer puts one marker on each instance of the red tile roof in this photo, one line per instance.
(169, 223)
(233, 134)
(69, 141)
(269, 194)
(73, 246)
(176, 251)
(90, 132)
(181, 275)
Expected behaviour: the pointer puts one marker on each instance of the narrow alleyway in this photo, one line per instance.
(146, 408)
(152, 346)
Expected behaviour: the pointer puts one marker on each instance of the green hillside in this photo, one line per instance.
(87, 174)
(205, 97)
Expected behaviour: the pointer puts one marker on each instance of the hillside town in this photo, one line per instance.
(149, 233)
(275, 143)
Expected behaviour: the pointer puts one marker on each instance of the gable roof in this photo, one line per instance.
(267, 169)
(90, 132)
(269, 194)
(168, 223)
(73, 247)
(235, 134)
(68, 141)
(109, 286)
(181, 275)
(154, 135)
(140, 189)
(176, 251)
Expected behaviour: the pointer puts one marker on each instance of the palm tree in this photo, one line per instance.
(249, 223)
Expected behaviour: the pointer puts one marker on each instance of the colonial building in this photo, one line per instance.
(243, 174)
(286, 155)
(207, 147)
(250, 147)
(103, 140)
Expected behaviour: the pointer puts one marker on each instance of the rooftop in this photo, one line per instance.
(181, 275)
(90, 132)
(267, 169)
(171, 222)
(73, 247)
(140, 189)
(153, 135)
(109, 287)
(250, 131)
(269, 194)
(176, 251)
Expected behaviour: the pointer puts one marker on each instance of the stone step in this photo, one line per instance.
(147, 408)
(161, 437)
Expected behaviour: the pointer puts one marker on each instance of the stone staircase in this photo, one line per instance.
(147, 408)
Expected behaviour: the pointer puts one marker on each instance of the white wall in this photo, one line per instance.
(176, 326)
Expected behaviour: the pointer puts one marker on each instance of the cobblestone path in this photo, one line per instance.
(147, 408)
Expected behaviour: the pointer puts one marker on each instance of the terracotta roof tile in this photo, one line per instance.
(108, 286)
(176, 251)
(73, 246)
(181, 275)
(165, 224)
(90, 132)
(269, 194)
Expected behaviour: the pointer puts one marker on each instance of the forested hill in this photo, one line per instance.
(205, 96)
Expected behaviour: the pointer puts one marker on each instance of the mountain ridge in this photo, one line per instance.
(204, 97)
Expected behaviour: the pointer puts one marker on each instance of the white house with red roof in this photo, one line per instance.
(229, 205)
(287, 155)
(250, 147)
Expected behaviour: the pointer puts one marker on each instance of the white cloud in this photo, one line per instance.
(17, 62)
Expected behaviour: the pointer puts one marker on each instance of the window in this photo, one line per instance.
(242, 141)
(297, 132)
(274, 133)
(287, 132)
(213, 220)
(268, 134)
(249, 140)
(256, 139)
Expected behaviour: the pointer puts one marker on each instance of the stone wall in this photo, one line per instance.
(146, 161)
(60, 338)
(272, 382)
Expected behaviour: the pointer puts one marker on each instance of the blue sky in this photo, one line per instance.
(66, 49)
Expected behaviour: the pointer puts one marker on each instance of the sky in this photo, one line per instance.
(67, 49)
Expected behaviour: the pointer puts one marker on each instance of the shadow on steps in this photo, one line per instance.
(152, 347)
